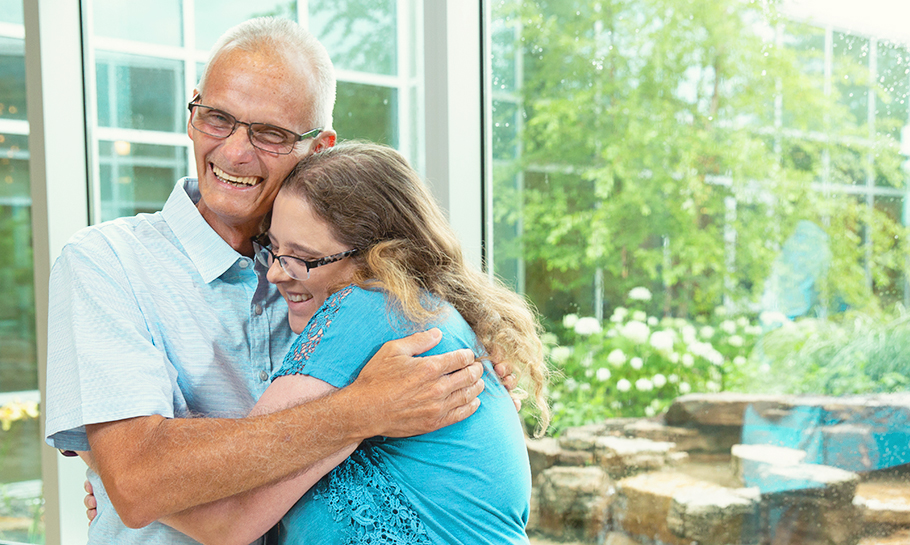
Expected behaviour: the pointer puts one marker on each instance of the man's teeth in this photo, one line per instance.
(239, 180)
(295, 298)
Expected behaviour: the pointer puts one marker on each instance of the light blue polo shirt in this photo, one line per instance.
(156, 314)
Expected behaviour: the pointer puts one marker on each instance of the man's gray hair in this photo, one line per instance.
(287, 38)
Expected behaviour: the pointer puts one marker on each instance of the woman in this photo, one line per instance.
(362, 255)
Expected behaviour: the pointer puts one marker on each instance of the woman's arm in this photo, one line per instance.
(243, 518)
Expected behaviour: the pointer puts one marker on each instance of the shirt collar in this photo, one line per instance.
(208, 251)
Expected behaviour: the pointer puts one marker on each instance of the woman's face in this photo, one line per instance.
(297, 231)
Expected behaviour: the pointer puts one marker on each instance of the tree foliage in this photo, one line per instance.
(676, 144)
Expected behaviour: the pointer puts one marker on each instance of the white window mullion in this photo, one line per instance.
(57, 165)
(454, 142)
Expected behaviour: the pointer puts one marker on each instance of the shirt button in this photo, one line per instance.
(263, 376)
(243, 263)
(257, 309)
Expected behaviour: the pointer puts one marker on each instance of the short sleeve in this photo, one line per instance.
(351, 326)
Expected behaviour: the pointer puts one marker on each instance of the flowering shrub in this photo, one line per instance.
(15, 411)
(635, 365)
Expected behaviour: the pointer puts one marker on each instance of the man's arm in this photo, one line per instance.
(153, 467)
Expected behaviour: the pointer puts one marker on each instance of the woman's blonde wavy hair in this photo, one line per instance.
(374, 201)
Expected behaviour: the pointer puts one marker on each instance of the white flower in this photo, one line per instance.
(587, 360)
(674, 357)
(636, 363)
(644, 385)
(662, 341)
(688, 333)
(688, 360)
(659, 380)
(753, 330)
(587, 326)
(569, 320)
(640, 294)
(616, 358)
(684, 387)
(549, 338)
(674, 378)
(589, 373)
(619, 314)
(560, 354)
(611, 332)
(720, 311)
(739, 360)
(712, 386)
(728, 326)
(735, 340)
(585, 387)
(640, 315)
(636, 332)
(742, 321)
(764, 368)
(616, 405)
(707, 332)
(715, 357)
(623, 385)
(571, 384)
(603, 374)
(650, 411)
(652, 321)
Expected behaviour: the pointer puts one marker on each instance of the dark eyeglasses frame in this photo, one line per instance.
(249, 128)
(261, 246)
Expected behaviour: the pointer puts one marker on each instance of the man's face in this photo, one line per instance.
(238, 182)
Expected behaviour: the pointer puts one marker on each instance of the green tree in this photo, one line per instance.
(674, 144)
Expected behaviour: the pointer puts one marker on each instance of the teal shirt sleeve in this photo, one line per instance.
(351, 326)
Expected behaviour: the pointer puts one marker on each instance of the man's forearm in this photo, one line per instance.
(153, 467)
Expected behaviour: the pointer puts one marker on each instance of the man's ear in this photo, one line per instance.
(324, 140)
(189, 130)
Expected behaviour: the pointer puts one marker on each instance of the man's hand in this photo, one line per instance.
(404, 396)
(509, 381)
(91, 504)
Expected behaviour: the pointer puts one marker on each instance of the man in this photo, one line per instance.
(164, 316)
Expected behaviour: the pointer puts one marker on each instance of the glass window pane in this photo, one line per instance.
(708, 207)
(359, 36)
(12, 80)
(11, 11)
(21, 503)
(154, 22)
(137, 177)
(213, 17)
(366, 112)
(140, 93)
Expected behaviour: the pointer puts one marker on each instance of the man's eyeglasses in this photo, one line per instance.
(221, 124)
(295, 267)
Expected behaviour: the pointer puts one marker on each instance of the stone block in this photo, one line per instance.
(542, 454)
(687, 439)
(574, 502)
(722, 409)
(883, 503)
(643, 504)
(715, 515)
(623, 456)
(575, 458)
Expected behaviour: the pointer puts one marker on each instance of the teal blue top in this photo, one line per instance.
(466, 483)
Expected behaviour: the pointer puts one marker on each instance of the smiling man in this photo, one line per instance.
(160, 318)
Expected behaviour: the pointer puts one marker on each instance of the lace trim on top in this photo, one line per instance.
(311, 336)
(368, 503)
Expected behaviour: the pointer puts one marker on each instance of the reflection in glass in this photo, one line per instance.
(366, 112)
(151, 21)
(359, 35)
(137, 177)
(137, 92)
